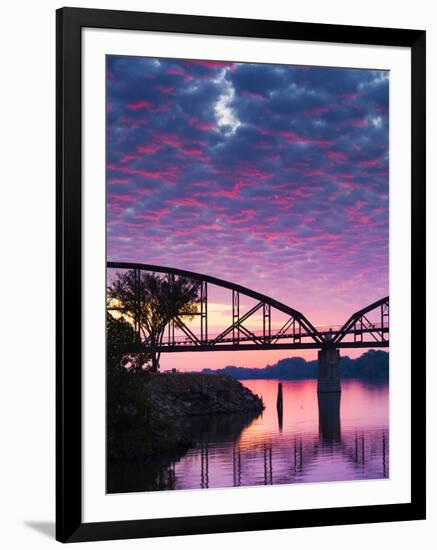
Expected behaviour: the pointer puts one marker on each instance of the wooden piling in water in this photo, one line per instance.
(279, 402)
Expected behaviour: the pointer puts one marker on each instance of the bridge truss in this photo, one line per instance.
(294, 331)
(362, 327)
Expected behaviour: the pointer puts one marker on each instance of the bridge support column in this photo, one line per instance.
(328, 379)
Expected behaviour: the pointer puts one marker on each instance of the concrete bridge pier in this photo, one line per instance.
(328, 379)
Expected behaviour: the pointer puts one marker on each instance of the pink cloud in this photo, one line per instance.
(170, 173)
(302, 192)
(274, 235)
(317, 111)
(346, 184)
(284, 202)
(292, 137)
(149, 148)
(122, 197)
(140, 104)
(242, 216)
(359, 122)
(338, 156)
(145, 105)
(158, 142)
(186, 202)
(369, 162)
(191, 152)
(231, 193)
(315, 172)
(255, 173)
(200, 125)
(201, 184)
(144, 191)
(356, 215)
(264, 144)
(182, 231)
(127, 123)
(212, 64)
(117, 180)
(352, 95)
(128, 158)
(154, 216)
(166, 89)
(248, 93)
(175, 72)
(170, 139)
(345, 175)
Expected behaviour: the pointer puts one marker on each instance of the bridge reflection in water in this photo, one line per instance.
(338, 437)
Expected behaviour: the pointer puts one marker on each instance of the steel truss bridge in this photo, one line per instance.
(368, 327)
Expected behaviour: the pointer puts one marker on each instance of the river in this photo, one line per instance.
(319, 438)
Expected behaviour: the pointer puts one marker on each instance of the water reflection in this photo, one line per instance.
(280, 419)
(215, 428)
(325, 437)
(329, 418)
(152, 475)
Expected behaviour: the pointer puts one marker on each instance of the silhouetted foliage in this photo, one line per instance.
(135, 430)
(150, 301)
(120, 338)
(372, 366)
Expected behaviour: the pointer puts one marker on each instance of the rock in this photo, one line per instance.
(195, 393)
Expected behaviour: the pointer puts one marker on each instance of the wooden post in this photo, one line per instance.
(279, 402)
(279, 406)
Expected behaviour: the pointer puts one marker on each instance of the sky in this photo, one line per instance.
(274, 177)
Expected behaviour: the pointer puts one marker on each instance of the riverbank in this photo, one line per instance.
(145, 410)
(195, 393)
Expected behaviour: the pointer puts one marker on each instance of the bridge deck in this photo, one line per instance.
(250, 346)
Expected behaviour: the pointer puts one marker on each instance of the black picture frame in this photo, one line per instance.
(69, 525)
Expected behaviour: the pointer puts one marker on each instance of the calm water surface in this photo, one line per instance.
(325, 438)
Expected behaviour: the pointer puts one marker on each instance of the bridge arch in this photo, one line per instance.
(296, 333)
(359, 323)
(297, 323)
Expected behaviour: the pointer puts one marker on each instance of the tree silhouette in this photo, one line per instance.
(120, 340)
(150, 301)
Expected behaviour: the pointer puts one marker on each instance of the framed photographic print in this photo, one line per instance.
(241, 274)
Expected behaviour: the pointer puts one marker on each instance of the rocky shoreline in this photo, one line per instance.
(149, 413)
(194, 393)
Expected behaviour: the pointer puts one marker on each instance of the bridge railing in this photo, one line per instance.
(182, 339)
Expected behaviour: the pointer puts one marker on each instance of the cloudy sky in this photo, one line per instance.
(271, 176)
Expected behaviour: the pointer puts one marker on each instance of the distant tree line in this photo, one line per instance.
(372, 366)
